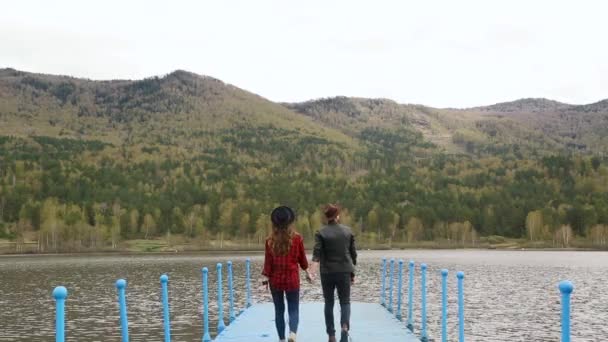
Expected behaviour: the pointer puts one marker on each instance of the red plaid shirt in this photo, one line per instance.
(282, 270)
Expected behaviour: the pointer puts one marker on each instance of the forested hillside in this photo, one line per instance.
(90, 165)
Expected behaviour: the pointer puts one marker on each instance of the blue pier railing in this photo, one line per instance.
(206, 335)
(383, 280)
(390, 286)
(410, 298)
(460, 276)
(565, 287)
(121, 285)
(399, 291)
(423, 295)
(424, 335)
(248, 281)
(164, 283)
(60, 294)
(220, 301)
(231, 314)
(444, 305)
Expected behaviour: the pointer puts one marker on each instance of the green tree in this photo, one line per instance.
(149, 225)
(315, 221)
(414, 229)
(534, 225)
(49, 224)
(372, 221)
(134, 222)
(244, 225)
(226, 223)
(303, 226)
(262, 226)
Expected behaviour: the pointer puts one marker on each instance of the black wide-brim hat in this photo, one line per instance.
(282, 216)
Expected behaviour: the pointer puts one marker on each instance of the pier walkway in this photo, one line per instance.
(370, 322)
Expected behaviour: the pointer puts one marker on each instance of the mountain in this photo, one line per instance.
(158, 108)
(174, 107)
(597, 107)
(353, 114)
(87, 164)
(558, 126)
(525, 105)
(531, 125)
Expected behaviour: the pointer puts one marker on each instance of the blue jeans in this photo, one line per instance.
(293, 303)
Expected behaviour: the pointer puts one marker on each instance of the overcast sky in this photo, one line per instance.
(439, 53)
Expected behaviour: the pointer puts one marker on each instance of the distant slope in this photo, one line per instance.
(183, 109)
(558, 126)
(524, 105)
(353, 115)
(526, 125)
(170, 108)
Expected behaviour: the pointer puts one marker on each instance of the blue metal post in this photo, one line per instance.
(390, 286)
(400, 282)
(206, 335)
(231, 313)
(460, 276)
(566, 288)
(444, 305)
(410, 298)
(164, 279)
(220, 302)
(248, 281)
(423, 337)
(383, 290)
(121, 284)
(60, 293)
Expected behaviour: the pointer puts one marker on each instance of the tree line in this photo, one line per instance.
(69, 194)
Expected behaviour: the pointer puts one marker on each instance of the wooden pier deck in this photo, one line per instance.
(369, 322)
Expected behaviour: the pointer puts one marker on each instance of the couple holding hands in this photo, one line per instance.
(334, 256)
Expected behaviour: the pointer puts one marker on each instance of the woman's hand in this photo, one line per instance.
(309, 277)
(266, 284)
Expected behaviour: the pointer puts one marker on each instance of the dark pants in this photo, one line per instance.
(293, 303)
(330, 282)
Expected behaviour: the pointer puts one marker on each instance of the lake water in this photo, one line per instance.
(509, 295)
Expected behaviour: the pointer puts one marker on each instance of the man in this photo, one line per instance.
(336, 253)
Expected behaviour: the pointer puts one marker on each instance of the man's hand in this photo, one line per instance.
(352, 279)
(314, 269)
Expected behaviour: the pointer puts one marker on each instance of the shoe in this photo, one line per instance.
(344, 336)
(292, 337)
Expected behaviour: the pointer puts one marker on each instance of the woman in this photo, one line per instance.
(284, 253)
(336, 252)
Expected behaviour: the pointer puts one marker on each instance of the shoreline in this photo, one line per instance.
(259, 251)
(180, 245)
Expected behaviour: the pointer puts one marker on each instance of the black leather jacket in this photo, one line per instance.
(335, 249)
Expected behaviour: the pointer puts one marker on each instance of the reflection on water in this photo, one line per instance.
(510, 296)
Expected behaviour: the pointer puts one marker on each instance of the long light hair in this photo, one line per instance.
(280, 239)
